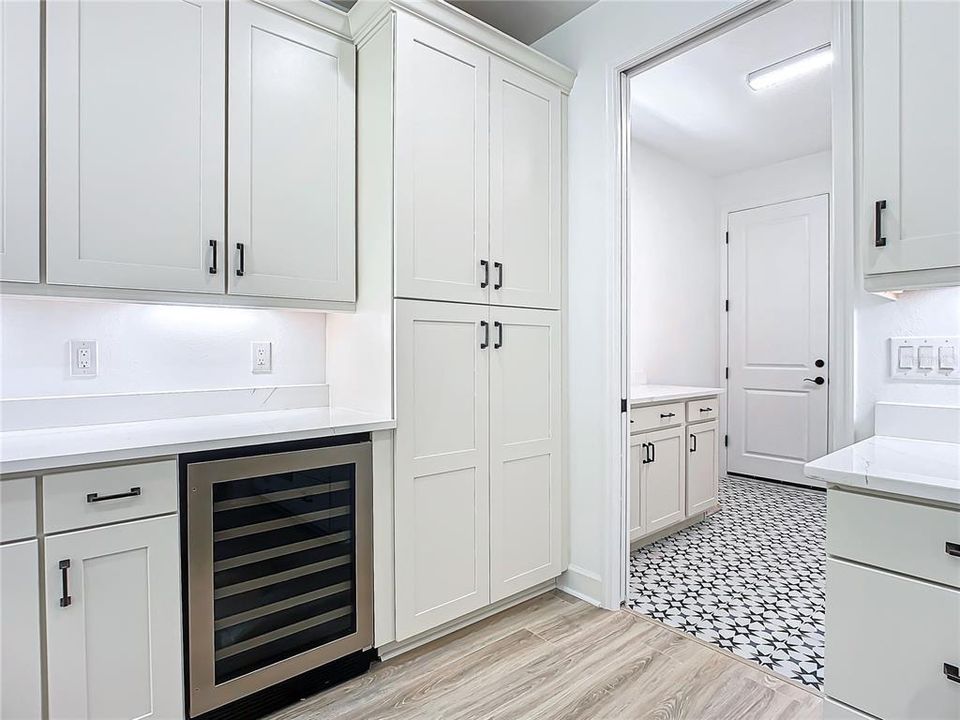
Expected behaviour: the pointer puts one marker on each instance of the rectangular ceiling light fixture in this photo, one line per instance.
(791, 68)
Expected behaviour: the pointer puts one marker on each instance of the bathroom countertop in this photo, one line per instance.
(653, 394)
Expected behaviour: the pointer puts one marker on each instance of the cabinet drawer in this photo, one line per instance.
(706, 409)
(18, 509)
(888, 638)
(894, 535)
(104, 495)
(652, 417)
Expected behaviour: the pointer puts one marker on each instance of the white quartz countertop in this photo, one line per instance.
(650, 394)
(911, 468)
(35, 450)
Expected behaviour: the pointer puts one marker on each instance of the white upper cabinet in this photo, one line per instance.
(291, 158)
(20, 141)
(135, 144)
(911, 141)
(524, 188)
(442, 165)
(525, 482)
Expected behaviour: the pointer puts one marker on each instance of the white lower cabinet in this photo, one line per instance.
(892, 643)
(524, 450)
(477, 484)
(662, 479)
(674, 464)
(114, 646)
(702, 466)
(20, 694)
(637, 449)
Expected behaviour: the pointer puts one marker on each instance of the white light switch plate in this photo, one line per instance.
(925, 359)
(83, 358)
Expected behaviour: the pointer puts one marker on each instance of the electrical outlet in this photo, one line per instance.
(261, 356)
(83, 358)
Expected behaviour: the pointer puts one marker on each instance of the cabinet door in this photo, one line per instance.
(20, 141)
(637, 447)
(135, 144)
(291, 158)
(442, 484)
(525, 480)
(911, 134)
(114, 646)
(442, 164)
(20, 628)
(662, 481)
(702, 467)
(525, 147)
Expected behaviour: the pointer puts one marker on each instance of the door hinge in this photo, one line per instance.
(623, 405)
(726, 373)
(726, 440)
(727, 237)
(726, 306)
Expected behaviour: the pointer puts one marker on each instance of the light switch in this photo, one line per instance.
(926, 357)
(905, 357)
(948, 357)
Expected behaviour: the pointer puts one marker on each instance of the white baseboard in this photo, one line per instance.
(392, 649)
(582, 584)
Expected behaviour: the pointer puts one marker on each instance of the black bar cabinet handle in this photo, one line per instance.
(878, 207)
(953, 548)
(486, 273)
(952, 672)
(706, 409)
(646, 453)
(693, 442)
(241, 263)
(65, 598)
(499, 283)
(667, 415)
(213, 266)
(486, 335)
(95, 497)
(653, 452)
(499, 343)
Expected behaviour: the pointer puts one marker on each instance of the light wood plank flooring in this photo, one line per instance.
(557, 658)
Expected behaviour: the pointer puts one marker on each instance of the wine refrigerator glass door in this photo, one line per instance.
(279, 567)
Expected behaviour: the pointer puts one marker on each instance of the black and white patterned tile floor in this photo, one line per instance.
(749, 579)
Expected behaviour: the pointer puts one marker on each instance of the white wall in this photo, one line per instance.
(918, 312)
(594, 43)
(675, 273)
(152, 347)
(788, 180)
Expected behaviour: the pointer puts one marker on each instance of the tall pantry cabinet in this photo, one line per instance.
(474, 193)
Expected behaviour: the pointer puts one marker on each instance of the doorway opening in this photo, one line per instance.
(728, 197)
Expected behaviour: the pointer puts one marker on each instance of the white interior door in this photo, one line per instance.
(135, 144)
(442, 164)
(525, 507)
(524, 188)
(291, 157)
(777, 324)
(911, 135)
(115, 650)
(20, 141)
(442, 484)
(20, 627)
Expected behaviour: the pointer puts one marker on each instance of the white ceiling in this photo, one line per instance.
(525, 20)
(698, 108)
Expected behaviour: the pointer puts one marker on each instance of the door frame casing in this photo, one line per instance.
(843, 262)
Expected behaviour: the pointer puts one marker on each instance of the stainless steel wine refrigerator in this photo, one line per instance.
(278, 578)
